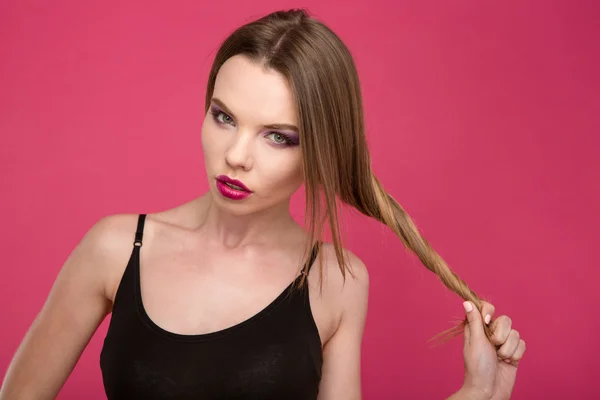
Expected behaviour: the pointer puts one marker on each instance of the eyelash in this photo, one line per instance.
(215, 112)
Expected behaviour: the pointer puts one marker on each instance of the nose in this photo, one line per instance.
(238, 153)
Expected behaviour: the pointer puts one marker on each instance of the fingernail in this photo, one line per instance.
(488, 318)
(468, 306)
(507, 361)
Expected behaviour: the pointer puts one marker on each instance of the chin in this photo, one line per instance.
(240, 208)
(234, 207)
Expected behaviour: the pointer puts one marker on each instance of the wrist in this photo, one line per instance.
(470, 393)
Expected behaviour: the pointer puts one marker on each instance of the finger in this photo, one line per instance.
(507, 350)
(500, 329)
(475, 322)
(518, 354)
(487, 310)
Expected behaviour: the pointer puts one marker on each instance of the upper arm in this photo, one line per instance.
(75, 306)
(341, 354)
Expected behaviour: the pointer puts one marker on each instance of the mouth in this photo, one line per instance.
(232, 189)
(233, 183)
(234, 186)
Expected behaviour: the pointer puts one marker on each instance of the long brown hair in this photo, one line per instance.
(336, 161)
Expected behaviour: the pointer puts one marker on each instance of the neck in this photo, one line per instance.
(265, 227)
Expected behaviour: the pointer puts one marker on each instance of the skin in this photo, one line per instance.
(213, 247)
(490, 367)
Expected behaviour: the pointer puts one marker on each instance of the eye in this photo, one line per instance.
(278, 138)
(224, 118)
(220, 117)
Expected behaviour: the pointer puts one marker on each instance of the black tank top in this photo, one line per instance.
(275, 354)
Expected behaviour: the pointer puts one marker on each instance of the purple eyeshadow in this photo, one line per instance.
(292, 138)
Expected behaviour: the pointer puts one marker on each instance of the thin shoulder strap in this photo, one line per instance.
(313, 255)
(140, 230)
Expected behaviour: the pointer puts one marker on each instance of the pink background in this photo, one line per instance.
(482, 120)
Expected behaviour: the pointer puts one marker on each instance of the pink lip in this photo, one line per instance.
(226, 179)
(231, 193)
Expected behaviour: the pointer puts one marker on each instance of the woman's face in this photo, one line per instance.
(250, 135)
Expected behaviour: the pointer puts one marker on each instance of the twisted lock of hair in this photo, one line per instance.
(372, 200)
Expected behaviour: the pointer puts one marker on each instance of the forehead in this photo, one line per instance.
(254, 93)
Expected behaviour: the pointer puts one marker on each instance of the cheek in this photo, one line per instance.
(285, 172)
(204, 136)
(210, 143)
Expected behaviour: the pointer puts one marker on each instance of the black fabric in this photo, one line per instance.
(275, 354)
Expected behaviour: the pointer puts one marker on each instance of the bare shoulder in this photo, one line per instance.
(110, 231)
(343, 296)
(106, 248)
(356, 278)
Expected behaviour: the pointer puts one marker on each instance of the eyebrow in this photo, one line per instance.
(288, 127)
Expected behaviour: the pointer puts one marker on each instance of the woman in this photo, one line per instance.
(226, 296)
